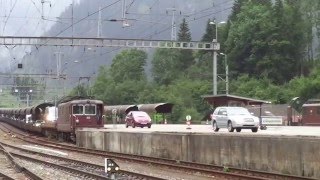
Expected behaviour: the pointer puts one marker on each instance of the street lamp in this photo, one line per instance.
(227, 72)
(216, 27)
(214, 64)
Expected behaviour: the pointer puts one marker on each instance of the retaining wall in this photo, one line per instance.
(289, 155)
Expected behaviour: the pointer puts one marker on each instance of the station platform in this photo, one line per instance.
(281, 149)
(179, 128)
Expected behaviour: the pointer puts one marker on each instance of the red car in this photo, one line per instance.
(138, 118)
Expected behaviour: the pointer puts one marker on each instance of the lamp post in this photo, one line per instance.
(226, 71)
(214, 63)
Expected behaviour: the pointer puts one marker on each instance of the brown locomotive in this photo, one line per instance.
(72, 115)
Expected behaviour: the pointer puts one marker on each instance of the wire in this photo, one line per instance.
(127, 8)
(167, 28)
(5, 23)
(26, 22)
(36, 7)
(86, 17)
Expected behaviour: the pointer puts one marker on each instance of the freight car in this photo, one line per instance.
(72, 115)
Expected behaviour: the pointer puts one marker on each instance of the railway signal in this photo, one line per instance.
(110, 168)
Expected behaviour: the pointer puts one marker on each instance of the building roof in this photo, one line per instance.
(224, 99)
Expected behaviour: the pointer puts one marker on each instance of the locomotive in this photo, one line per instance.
(72, 116)
(304, 113)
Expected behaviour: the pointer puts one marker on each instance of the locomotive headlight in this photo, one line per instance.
(109, 169)
(77, 120)
(117, 168)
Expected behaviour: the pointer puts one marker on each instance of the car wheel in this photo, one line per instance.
(254, 129)
(127, 125)
(230, 128)
(133, 125)
(215, 126)
(238, 129)
(149, 126)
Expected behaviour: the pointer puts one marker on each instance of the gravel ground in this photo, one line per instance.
(46, 172)
(7, 169)
(157, 171)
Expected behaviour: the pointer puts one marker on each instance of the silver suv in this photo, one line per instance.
(234, 118)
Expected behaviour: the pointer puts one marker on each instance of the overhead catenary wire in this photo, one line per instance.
(164, 29)
(90, 14)
(5, 23)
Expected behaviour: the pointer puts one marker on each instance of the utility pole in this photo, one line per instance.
(214, 70)
(99, 24)
(58, 57)
(72, 16)
(42, 4)
(124, 19)
(173, 24)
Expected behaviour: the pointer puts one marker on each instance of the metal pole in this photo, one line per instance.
(214, 70)
(72, 16)
(227, 74)
(27, 100)
(216, 31)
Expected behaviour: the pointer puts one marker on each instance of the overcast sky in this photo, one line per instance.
(33, 18)
(27, 18)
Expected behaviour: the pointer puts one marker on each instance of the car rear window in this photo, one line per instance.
(140, 114)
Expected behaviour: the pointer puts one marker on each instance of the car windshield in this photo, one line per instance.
(238, 111)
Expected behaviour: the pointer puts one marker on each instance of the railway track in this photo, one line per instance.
(217, 171)
(20, 169)
(84, 169)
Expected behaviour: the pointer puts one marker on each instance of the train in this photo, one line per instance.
(300, 113)
(72, 115)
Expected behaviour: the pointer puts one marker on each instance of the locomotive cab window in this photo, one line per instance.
(77, 109)
(90, 109)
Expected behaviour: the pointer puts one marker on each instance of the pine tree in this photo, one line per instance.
(184, 32)
(185, 58)
(210, 32)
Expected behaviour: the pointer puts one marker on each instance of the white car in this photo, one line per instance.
(234, 118)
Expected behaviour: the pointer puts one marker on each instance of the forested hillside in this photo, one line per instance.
(270, 52)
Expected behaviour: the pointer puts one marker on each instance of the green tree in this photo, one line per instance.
(186, 57)
(266, 42)
(129, 65)
(164, 65)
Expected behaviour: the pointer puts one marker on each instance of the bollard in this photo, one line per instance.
(207, 122)
(165, 121)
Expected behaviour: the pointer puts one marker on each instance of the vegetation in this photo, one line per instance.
(270, 56)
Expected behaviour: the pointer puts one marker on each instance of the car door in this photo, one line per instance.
(222, 118)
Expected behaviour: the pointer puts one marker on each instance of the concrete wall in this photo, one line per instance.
(290, 155)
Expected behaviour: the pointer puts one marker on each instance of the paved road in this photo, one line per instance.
(271, 130)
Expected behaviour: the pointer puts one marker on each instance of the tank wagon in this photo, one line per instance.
(72, 115)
